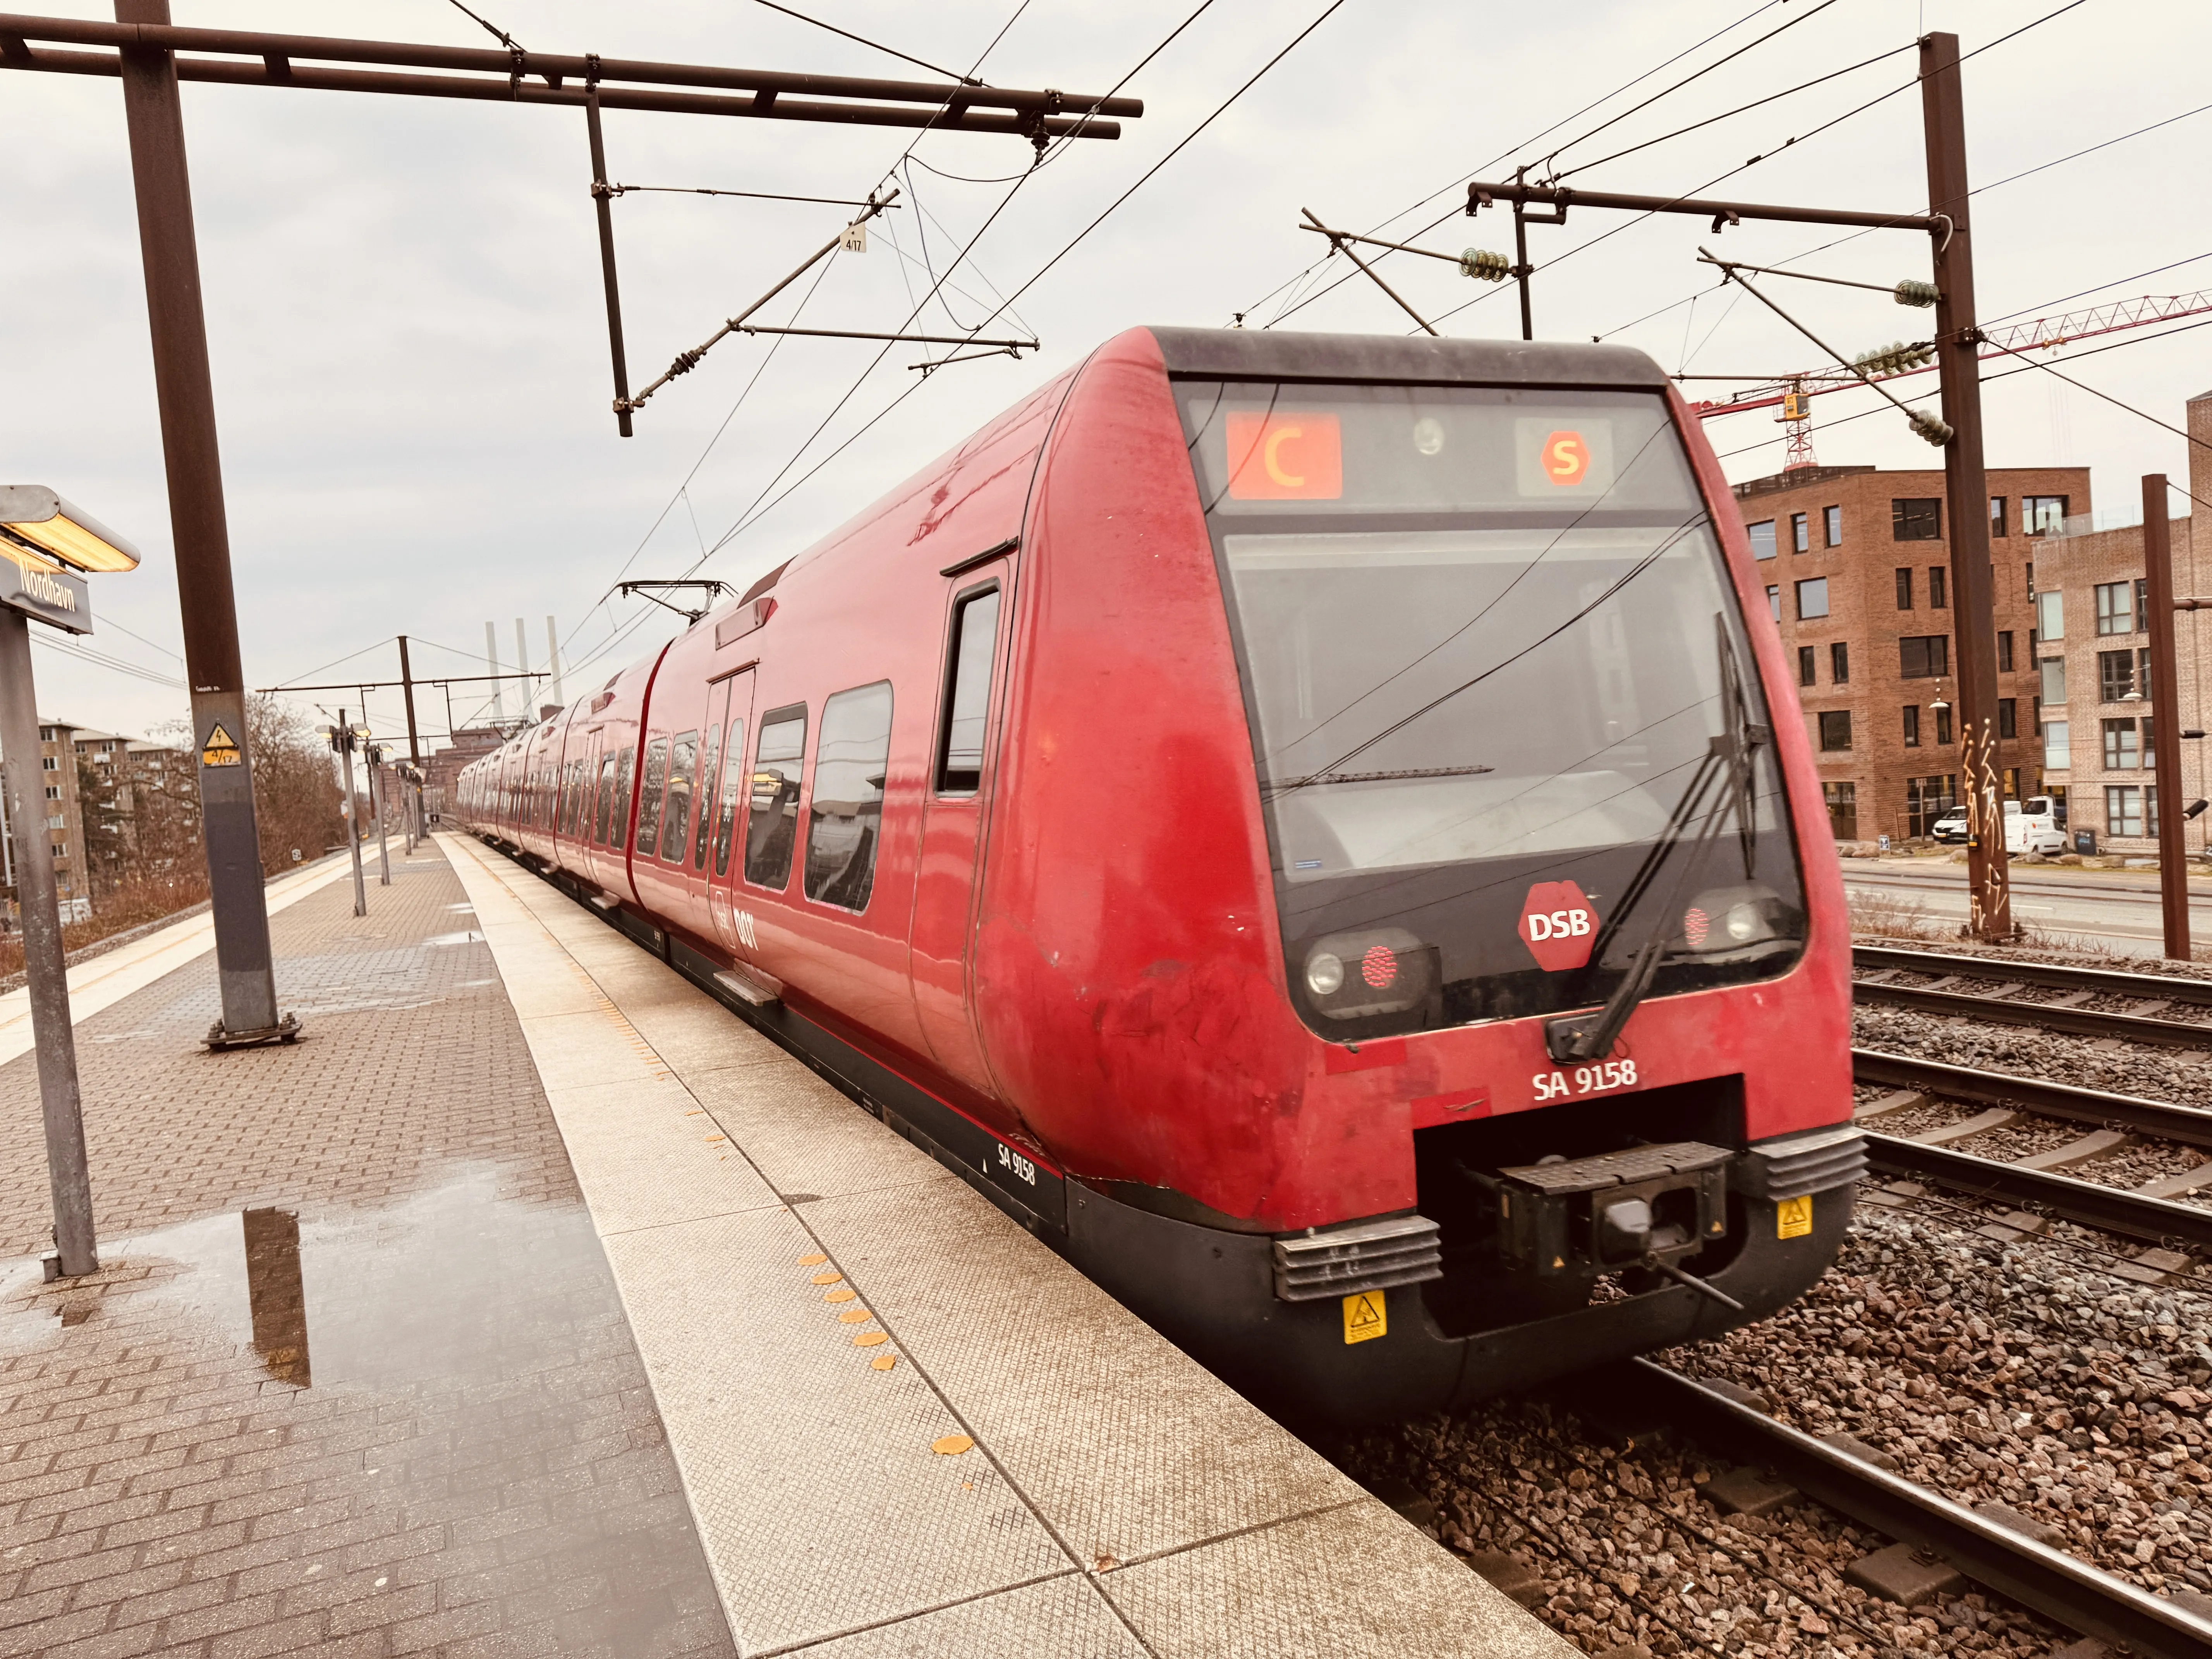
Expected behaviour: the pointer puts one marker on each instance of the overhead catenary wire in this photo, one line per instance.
(873, 46)
(762, 504)
(1510, 150)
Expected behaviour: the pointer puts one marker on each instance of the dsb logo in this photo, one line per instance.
(1557, 926)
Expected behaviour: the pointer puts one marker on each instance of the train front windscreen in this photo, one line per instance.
(1510, 739)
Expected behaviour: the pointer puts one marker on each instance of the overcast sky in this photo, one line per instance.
(407, 334)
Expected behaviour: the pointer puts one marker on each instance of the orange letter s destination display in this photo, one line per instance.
(1285, 457)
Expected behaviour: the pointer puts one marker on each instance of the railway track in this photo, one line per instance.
(2061, 1587)
(2146, 1019)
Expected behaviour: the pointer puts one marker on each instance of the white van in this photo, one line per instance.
(2033, 831)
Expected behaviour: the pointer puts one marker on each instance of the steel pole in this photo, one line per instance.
(407, 691)
(603, 199)
(44, 968)
(1966, 483)
(352, 815)
(2164, 688)
(199, 527)
(376, 817)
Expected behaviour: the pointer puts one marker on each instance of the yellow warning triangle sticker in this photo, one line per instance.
(1363, 1313)
(221, 748)
(1364, 1317)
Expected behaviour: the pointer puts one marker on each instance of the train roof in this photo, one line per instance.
(1241, 354)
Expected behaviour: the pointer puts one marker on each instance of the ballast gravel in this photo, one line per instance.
(2021, 1372)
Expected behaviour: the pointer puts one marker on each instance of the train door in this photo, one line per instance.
(954, 814)
(730, 705)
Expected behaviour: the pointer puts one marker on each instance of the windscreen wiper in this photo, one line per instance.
(1724, 779)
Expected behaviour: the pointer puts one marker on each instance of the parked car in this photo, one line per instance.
(2034, 829)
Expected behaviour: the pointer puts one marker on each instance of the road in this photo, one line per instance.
(2117, 908)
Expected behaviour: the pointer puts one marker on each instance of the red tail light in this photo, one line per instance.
(1379, 966)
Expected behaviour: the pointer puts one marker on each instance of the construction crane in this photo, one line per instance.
(1794, 393)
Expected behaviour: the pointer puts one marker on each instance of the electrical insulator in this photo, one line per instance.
(1909, 293)
(1894, 359)
(1930, 427)
(1485, 266)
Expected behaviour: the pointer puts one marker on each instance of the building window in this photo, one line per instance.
(2142, 603)
(1812, 598)
(2123, 810)
(1905, 587)
(2143, 671)
(1835, 730)
(1800, 534)
(1833, 523)
(2030, 569)
(2035, 714)
(1917, 520)
(1808, 660)
(1762, 539)
(1843, 801)
(1926, 800)
(1774, 602)
(49, 734)
(1912, 726)
(1924, 656)
(1840, 663)
(2004, 651)
(2055, 756)
(2007, 717)
(2149, 751)
(1939, 593)
(53, 791)
(2121, 753)
(2116, 608)
(1996, 515)
(2050, 618)
(2116, 675)
(49, 763)
(2042, 515)
(1943, 724)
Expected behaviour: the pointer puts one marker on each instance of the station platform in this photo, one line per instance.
(534, 1304)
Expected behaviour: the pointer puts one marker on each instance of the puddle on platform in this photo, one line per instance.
(469, 938)
(484, 1333)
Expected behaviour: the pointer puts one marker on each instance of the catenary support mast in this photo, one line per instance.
(201, 532)
(1965, 487)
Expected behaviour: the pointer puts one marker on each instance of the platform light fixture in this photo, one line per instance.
(35, 520)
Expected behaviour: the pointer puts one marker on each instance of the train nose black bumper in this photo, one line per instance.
(1364, 1352)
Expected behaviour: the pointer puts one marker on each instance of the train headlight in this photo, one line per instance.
(1375, 970)
(1746, 918)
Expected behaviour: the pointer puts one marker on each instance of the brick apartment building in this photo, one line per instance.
(2094, 642)
(1857, 564)
(63, 825)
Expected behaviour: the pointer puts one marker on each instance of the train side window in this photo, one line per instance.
(968, 696)
(778, 769)
(710, 759)
(650, 789)
(734, 791)
(676, 823)
(606, 805)
(618, 825)
(844, 821)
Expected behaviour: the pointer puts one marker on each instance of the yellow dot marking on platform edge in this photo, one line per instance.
(854, 1315)
(883, 1362)
(814, 1260)
(842, 1293)
(1793, 1217)
(869, 1340)
(833, 1277)
(951, 1445)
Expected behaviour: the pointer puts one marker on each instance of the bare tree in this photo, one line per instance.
(297, 800)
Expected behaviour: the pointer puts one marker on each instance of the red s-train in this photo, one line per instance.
(1297, 820)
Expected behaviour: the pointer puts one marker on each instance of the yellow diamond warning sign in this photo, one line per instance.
(220, 749)
(1793, 1217)
(1364, 1317)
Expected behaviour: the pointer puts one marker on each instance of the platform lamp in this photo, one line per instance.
(47, 547)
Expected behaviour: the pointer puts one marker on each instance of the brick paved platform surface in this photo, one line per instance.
(354, 1379)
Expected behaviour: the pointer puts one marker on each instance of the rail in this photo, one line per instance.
(2082, 1598)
